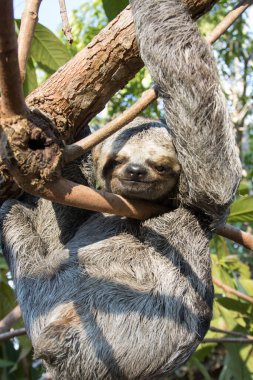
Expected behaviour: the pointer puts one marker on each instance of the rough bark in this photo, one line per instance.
(81, 88)
(10, 105)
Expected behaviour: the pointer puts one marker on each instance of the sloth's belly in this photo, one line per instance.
(132, 301)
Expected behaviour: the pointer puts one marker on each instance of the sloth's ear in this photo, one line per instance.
(99, 160)
(96, 152)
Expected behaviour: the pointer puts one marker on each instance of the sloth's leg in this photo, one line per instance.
(182, 65)
(22, 245)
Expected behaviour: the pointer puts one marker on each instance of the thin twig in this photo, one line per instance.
(12, 98)
(229, 332)
(228, 289)
(28, 23)
(10, 319)
(228, 340)
(237, 235)
(12, 334)
(228, 21)
(65, 22)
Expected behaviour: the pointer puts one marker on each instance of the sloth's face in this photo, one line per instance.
(141, 165)
(146, 172)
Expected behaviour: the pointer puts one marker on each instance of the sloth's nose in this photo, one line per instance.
(135, 172)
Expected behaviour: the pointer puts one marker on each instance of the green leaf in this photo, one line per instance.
(30, 82)
(3, 264)
(6, 363)
(201, 368)
(233, 264)
(47, 49)
(247, 285)
(114, 7)
(241, 210)
(228, 316)
(232, 304)
(7, 299)
(244, 188)
(237, 363)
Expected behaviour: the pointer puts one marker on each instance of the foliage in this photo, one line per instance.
(231, 263)
(47, 53)
(112, 8)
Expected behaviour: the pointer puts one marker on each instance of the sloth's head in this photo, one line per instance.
(139, 161)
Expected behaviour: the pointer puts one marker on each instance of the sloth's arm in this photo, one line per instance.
(182, 65)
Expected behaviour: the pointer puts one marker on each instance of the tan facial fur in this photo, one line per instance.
(138, 162)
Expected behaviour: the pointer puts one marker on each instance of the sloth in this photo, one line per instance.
(107, 297)
(138, 162)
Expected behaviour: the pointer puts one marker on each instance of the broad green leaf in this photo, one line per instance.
(7, 299)
(204, 350)
(237, 363)
(6, 363)
(47, 50)
(114, 7)
(201, 368)
(30, 82)
(219, 245)
(241, 210)
(244, 188)
(233, 264)
(241, 322)
(232, 304)
(229, 316)
(247, 285)
(3, 264)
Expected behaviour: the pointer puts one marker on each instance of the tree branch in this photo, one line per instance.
(12, 98)
(238, 236)
(30, 146)
(228, 20)
(10, 319)
(244, 339)
(228, 340)
(65, 22)
(228, 289)
(229, 332)
(28, 23)
(12, 334)
(81, 88)
(73, 194)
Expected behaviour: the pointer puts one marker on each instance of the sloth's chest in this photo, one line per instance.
(114, 249)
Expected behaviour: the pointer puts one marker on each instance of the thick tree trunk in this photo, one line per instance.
(81, 88)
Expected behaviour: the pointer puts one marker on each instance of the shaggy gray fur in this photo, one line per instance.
(105, 297)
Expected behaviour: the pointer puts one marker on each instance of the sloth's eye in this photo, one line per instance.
(113, 162)
(161, 168)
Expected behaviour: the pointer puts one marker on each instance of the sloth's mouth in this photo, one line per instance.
(130, 181)
(138, 188)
